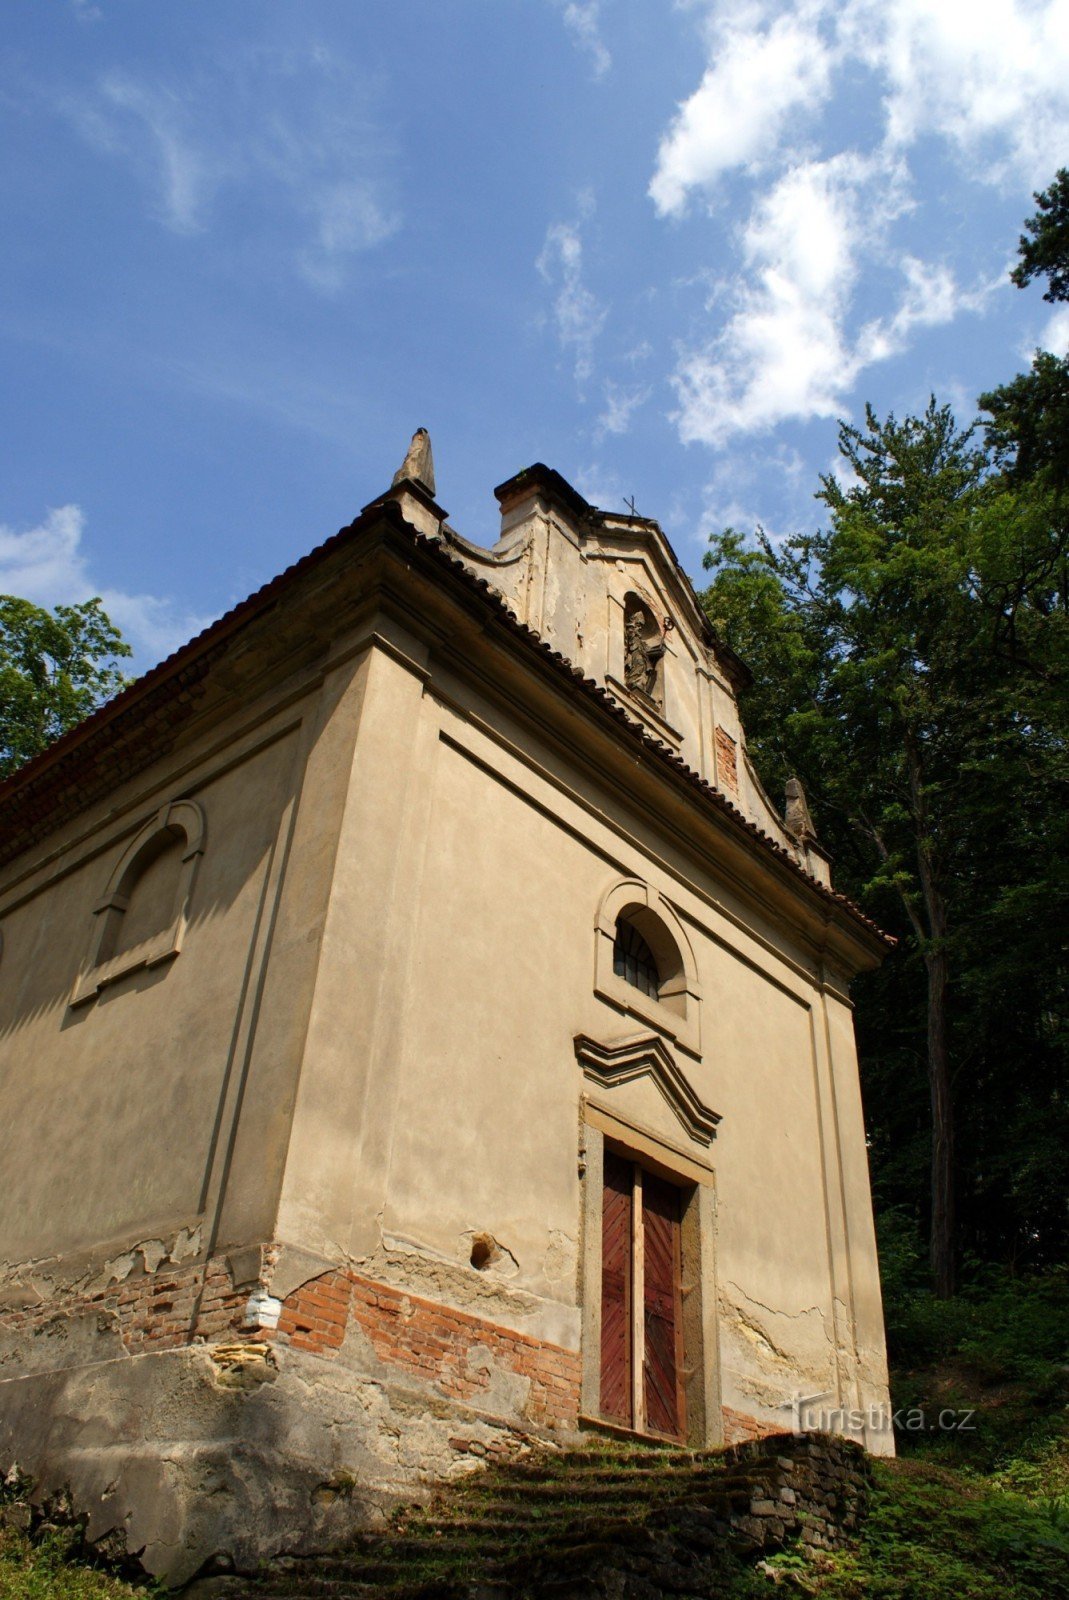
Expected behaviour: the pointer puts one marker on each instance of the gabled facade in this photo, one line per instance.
(419, 1031)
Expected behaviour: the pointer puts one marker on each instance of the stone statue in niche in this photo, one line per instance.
(641, 658)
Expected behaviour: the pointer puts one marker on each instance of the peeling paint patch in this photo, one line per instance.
(772, 1352)
(405, 1264)
(118, 1269)
(561, 1255)
(152, 1252)
(187, 1244)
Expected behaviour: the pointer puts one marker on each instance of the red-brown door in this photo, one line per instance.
(662, 1304)
(616, 1258)
(641, 1325)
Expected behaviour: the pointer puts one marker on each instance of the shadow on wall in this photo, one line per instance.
(130, 991)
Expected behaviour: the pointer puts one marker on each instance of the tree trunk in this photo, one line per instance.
(943, 1238)
(942, 1246)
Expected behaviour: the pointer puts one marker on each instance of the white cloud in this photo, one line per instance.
(932, 296)
(600, 485)
(787, 350)
(987, 80)
(990, 76)
(784, 351)
(48, 566)
(291, 132)
(1055, 336)
(185, 180)
(349, 218)
(744, 480)
(582, 18)
(754, 81)
(578, 315)
(621, 402)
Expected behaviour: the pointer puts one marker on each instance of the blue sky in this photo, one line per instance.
(249, 247)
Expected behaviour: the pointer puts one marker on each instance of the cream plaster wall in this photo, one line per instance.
(443, 1096)
(163, 1107)
(115, 1102)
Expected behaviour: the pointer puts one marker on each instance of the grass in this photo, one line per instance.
(936, 1534)
(48, 1568)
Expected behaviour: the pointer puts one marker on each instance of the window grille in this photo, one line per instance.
(633, 960)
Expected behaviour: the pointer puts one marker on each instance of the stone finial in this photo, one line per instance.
(418, 465)
(796, 818)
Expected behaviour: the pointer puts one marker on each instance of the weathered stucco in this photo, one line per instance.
(359, 1065)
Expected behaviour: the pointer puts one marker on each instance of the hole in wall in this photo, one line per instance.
(484, 1251)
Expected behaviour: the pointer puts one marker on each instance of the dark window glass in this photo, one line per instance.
(632, 959)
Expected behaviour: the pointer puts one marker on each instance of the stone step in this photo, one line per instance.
(514, 1497)
(544, 1516)
(601, 1471)
(595, 1489)
(522, 1513)
(523, 1517)
(581, 1460)
(513, 1530)
(410, 1557)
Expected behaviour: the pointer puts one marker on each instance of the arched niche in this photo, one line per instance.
(675, 1008)
(140, 920)
(643, 651)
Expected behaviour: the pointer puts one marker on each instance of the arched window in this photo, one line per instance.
(151, 893)
(633, 960)
(644, 963)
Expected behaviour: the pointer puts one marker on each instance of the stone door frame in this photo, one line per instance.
(697, 1181)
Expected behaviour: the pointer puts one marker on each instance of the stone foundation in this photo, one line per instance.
(194, 1440)
(813, 1485)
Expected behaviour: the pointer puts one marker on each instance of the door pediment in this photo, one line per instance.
(645, 1055)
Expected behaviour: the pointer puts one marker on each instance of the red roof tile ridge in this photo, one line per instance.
(191, 654)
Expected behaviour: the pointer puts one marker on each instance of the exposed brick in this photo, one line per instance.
(430, 1341)
(740, 1428)
(164, 1311)
(727, 761)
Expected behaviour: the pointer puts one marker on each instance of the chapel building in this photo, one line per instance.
(419, 1032)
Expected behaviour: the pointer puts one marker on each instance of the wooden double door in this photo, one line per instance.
(641, 1301)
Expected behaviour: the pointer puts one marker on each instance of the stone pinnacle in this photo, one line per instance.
(418, 464)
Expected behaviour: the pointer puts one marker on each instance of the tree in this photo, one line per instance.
(1044, 246)
(866, 639)
(911, 664)
(1029, 426)
(55, 668)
